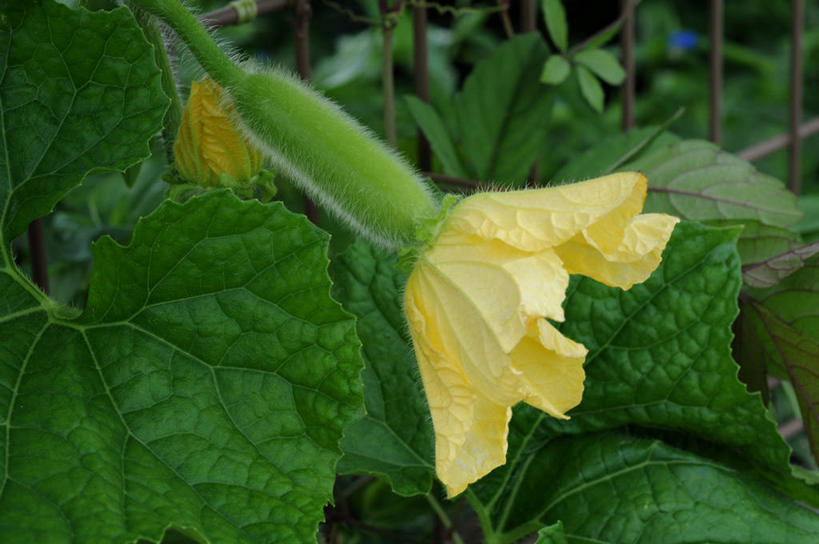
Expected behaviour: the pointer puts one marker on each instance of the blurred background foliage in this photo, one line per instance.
(671, 59)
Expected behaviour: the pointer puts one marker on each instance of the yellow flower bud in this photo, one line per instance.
(208, 146)
(478, 301)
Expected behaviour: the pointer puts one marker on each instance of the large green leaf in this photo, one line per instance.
(612, 488)
(205, 386)
(395, 438)
(695, 180)
(503, 110)
(79, 91)
(782, 323)
(659, 360)
(659, 354)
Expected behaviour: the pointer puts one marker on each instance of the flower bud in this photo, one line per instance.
(209, 150)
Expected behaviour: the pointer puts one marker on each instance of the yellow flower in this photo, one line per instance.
(208, 146)
(479, 298)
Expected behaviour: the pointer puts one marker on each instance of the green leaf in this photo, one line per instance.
(659, 354)
(614, 488)
(659, 362)
(612, 151)
(601, 39)
(556, 70)
(782, 322)
(60, 69)
(552, 534)
(437, 134)
(808, 226)
(769, 272)
(205, 386)
(395, 438)
(759, 242)
(502, 112)
(695, 180)
(555, 17)
(590, 88)
(602, 63)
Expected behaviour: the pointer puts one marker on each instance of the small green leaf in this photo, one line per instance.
(395, 438)
(555, 17)
(783, 322)
(503, 112)
(556, 70)
(590, 88)
(602, 63)
(808, 226)
(437, 134)
(769, 272)
(552, 534)
(603, 38)
(611, 151)
(59, 69)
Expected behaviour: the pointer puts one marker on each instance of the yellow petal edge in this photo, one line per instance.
(479, 299)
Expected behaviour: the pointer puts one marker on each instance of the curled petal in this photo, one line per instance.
(470, 429)
(632, 261)
(534, 220)
(507, 286)
(551, 368)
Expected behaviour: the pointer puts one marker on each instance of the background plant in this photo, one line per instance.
(205, 382)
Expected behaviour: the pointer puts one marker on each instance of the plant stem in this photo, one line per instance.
(388, 86)
(507, 22)
(173, 115)
(215, 62)
(442, 515)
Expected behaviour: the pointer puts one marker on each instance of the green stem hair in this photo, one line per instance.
(335, 159)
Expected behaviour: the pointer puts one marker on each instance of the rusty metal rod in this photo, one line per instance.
(37, 253)
(627, 44)
(762, 149)
(528, 16)
(715, 71)
(228, 16)
(301, 34)
(420, 69)
(795, 144)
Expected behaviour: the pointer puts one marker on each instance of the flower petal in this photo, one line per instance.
(551, 368)
(508, 287)
(465, 337)
(632, 261)
(470, 429)
(533, 220)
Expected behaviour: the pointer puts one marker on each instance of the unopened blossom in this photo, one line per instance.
(209, 150)
(479, 303)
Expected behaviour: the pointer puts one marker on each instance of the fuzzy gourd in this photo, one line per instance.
(332, 157)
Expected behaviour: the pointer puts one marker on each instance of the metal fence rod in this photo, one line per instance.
(421, 74)
(762, 149)
(795, 152)
(301, 35)
(228, 16)
(715, 71)
(37, 254)
(528, 16)
(627, 43)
